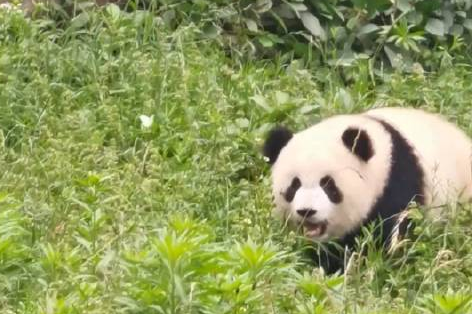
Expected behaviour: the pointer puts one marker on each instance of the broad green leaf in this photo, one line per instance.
(80, 20)
(435, 27)
(461, 14)
(251, 25)
(448, 19)
(263, 5)
(414, 18)
(347, 58)
(265, 41)
(345, 98)
(284, 11)
(335, 282)
(261, 101)
(308, 109)
(168, 17)
(456, 30)
(242, 123)
(468, 24)
(372, 6)
(338, 33)
(360, 4)
(114, 11)
(281, 97)
(313, 288)
(210, 31)
(427, 7)
(352, 22)
(367, 29)
(404, 5)
(312, 24)
(275, 39)
(298, 7)
(226, 12)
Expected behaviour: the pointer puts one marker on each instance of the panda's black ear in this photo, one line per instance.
(358, 142)
(275, 141)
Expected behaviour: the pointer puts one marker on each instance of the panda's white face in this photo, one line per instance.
(312, 206)
(324, 179)
(325, 203)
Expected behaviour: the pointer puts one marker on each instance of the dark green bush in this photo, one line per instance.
(409, 35)
(397, 33)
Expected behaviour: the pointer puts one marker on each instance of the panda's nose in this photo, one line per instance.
(306, 212)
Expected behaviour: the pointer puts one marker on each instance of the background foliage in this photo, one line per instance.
(131, 179)
(393, 33)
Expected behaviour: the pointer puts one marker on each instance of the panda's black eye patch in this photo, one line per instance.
(328, 184)
(292, 189)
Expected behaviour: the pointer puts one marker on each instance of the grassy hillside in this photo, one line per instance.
(131, 179)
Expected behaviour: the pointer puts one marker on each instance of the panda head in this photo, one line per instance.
(324, 178)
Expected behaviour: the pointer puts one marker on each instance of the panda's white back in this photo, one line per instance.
(444, 151)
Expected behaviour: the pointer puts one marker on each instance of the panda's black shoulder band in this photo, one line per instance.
(405, 184)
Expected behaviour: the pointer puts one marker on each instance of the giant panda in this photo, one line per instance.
(348, 171)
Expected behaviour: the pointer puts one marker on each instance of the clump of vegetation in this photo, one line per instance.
(132, 182)
(394, 34)
(403, 34)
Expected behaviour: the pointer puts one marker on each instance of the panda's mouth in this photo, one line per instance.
(314, 229)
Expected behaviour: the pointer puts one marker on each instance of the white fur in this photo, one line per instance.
(444, 153)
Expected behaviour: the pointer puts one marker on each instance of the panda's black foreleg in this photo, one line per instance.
(331, 257)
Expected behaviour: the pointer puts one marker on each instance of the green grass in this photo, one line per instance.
(99, 214)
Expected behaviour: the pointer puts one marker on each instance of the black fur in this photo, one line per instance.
(358, 142)
(405, 184)
(328, 184)
(292, 189)
(306, 212)
(276, 140)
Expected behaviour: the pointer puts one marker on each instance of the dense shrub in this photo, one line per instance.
(335, 32)
(131, 180)
(404, 34)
